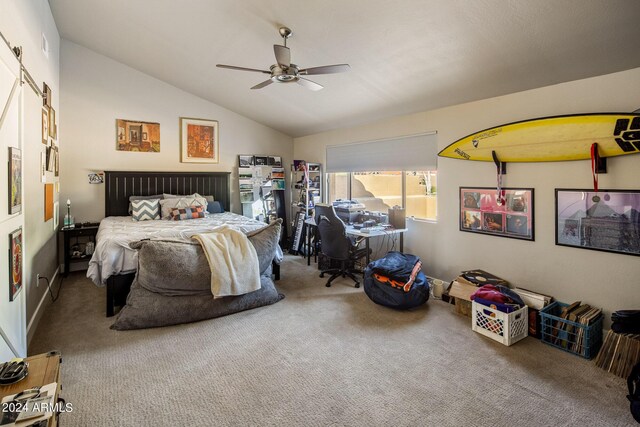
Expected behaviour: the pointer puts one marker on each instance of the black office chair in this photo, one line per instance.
(336, 245)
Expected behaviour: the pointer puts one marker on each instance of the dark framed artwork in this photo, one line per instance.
(15, 180)
(481, 213)
(261, 160)
(15, 263)
(245, 161)
(607, 220)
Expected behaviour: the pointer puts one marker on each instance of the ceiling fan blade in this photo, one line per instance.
(283, 55)
(309, 84)
(233, 67)
(263, 84)
(327, 69)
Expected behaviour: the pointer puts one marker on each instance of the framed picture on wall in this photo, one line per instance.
(199, 141)
(481, 213)
(262, 160)
(52, 122)
(15, 180)
(46, 95)
(245, 161)
(607, 220)
(15, 263)
(137, 136)
(45, 125)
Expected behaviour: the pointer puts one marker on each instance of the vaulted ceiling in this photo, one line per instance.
(405, 55)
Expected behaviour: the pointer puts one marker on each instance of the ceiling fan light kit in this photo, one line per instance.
(283, 71)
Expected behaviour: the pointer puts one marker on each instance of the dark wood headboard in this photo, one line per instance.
(120, 185)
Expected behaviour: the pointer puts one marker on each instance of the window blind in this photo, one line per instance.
(413, 152)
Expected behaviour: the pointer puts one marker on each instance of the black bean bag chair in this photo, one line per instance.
(395, 268)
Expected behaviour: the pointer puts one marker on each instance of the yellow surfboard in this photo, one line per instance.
(552, 139)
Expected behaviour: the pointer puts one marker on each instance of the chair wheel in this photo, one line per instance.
(321, 275)
(328, 285)
(357, 285)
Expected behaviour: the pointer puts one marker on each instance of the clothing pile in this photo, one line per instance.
(626, 321)
(498, 297)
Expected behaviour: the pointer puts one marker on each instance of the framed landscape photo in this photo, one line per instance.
(15, 263)
(607, 220)
(199, 141)
(481, 213)
(245, 161)
(15, 180)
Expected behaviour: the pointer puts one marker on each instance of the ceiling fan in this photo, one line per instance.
(286, 72)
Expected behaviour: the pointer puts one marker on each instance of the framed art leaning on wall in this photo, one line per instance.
(199, 141)
(607, 220)
(480, 212)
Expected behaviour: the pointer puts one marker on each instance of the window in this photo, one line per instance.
(381, 190)
(338, 184)
(383, 173)
(378, 191)
(420, 192)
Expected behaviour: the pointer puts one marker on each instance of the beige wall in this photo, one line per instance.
(23, 22)
(598, 278)
(95, 91)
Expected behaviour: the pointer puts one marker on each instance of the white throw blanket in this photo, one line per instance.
(233, 261)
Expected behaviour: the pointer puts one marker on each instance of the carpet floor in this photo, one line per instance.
(321, 357)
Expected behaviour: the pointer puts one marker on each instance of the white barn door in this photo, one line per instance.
(12, 313)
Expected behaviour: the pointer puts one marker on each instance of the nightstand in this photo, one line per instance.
(85, 232)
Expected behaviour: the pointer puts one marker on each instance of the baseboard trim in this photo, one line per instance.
(35, 319)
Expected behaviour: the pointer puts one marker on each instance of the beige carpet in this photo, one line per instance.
(322, 356)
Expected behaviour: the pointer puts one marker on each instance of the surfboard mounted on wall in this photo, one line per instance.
(552, 139)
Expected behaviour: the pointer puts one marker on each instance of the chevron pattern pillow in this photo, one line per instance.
(145, 210)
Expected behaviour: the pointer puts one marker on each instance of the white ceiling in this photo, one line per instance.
(405, 55)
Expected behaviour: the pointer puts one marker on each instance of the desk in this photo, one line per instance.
(311, 223)
(377, 233)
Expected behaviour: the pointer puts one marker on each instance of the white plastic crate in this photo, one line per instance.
(506, 328)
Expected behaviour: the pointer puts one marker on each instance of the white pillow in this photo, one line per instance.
(177, 196)
(167, 205)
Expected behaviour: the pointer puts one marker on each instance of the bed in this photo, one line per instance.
(114, 263)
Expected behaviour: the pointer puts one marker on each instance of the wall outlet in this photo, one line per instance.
(37, 280)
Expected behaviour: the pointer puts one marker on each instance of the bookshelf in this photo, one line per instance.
(261, 182)
(306, 186)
